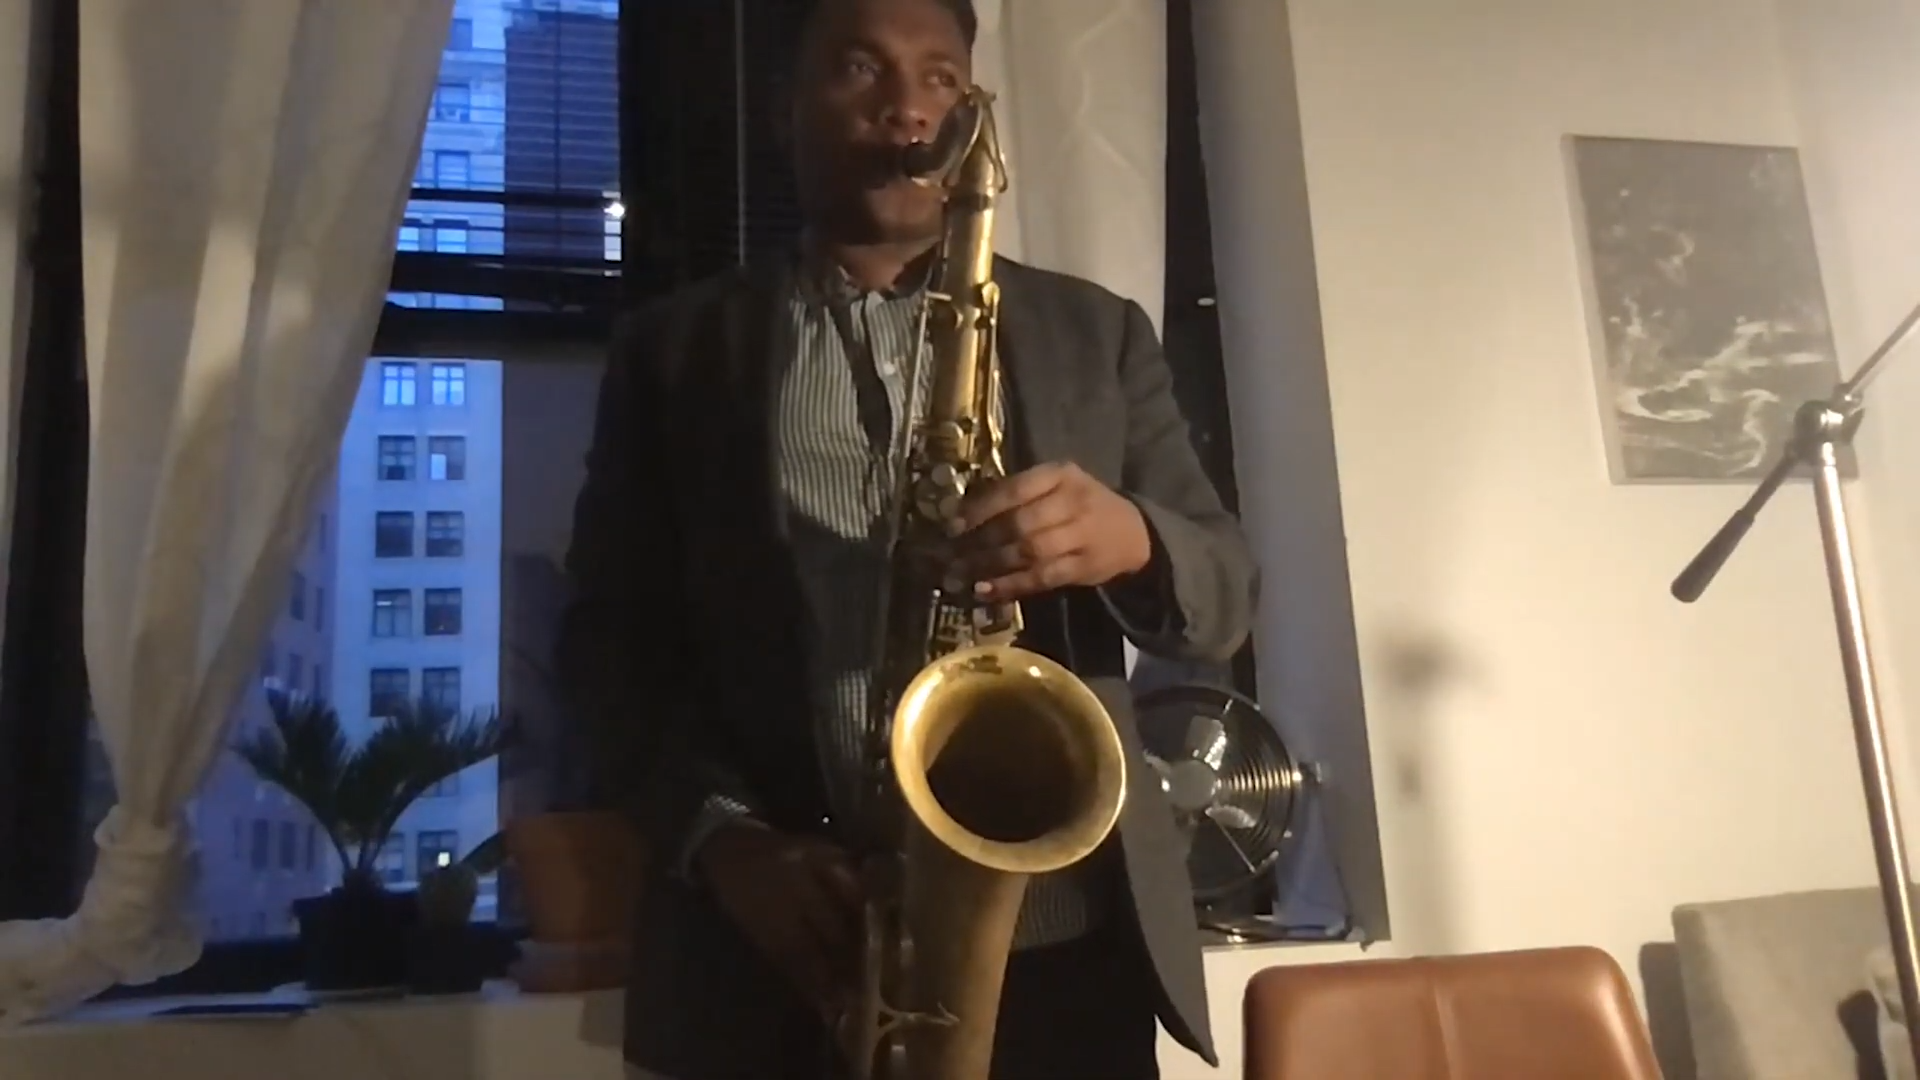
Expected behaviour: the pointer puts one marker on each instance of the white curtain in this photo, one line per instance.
(1083, 113)
(1082, 88)
(245, 164)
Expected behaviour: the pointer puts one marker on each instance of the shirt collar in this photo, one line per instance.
(822, 281)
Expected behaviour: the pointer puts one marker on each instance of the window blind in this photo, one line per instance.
(709, 184)
(514, 228)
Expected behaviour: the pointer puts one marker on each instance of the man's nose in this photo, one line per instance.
(910, 113)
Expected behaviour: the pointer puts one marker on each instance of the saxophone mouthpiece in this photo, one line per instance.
(919, 161)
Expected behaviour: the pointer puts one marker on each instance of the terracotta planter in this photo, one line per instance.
(579, 875)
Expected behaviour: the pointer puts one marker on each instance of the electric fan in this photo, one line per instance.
(1238, 794)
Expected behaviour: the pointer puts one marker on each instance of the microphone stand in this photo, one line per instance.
(1821, 429)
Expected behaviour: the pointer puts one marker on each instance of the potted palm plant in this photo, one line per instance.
(356, 936)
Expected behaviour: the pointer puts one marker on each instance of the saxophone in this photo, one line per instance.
(988, 763)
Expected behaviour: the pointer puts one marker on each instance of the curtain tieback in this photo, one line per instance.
(136, 923)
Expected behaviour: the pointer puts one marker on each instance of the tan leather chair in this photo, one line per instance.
(1541, 1014)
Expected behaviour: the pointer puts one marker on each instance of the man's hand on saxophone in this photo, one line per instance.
(1050, 527)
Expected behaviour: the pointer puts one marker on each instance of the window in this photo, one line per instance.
(453, 102)
(442, 612)
(393, 534)
(391, 863)
(289, 845)
(296, 671)
(397, 385)
(452, 170)
(396, 457)
(313, 836)
(392, 613)
(438, 848)
(389, 692)
(534, 190)
(445, 789)
(440, 686)
(449, 384)
(297, 602)
(460, 36)
(447, 457)
(446, 534)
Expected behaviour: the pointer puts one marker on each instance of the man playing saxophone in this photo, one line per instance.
(729, 558)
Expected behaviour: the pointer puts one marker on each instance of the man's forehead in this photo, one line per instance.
(916, 25)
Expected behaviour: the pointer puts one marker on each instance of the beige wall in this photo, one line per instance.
(1562, 752)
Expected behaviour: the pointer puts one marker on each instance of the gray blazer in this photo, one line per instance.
(682, 647)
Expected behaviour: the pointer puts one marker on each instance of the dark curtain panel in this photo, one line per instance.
(43, 700)
(1192, 322)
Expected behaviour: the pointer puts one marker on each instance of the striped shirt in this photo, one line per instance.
(842, 392)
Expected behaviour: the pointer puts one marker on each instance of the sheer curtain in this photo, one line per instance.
(245, 165)
(1083, 113)
(1082, 108)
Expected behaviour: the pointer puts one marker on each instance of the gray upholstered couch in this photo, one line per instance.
(1792, 987)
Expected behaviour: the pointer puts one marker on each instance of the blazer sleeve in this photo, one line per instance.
(626, 663)
(1195, 600)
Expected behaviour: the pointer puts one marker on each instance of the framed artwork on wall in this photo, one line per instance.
(1709, 320)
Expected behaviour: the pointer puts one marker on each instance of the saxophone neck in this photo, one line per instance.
(965, 156)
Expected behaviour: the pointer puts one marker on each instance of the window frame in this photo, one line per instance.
(399, 384)
(447, 386)
(450, 540)
(428, 677)
(399, 614)
(446, 457)
(405, 458)
(382, 534)
(453, 627)
(379, 695)
(571, 328)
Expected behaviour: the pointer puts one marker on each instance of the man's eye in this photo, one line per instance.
(946, 80)
(862, 67)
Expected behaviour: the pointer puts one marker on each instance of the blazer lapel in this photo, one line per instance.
(1030, 361)
(753, 320)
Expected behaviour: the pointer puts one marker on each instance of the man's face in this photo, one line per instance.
(874, 75)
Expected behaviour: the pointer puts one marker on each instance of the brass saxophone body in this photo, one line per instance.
(988, 763)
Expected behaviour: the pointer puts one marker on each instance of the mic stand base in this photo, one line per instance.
(1821, 428)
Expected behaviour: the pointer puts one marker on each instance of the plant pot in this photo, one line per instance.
(579, 877)
(355, 939)
(444, 960)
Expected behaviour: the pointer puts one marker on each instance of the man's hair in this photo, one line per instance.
(961, 10)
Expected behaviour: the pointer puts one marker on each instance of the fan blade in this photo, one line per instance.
(1207, 740)
(1161, 769)
(1229, 816)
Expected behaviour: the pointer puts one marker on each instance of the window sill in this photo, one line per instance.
(499, 1034)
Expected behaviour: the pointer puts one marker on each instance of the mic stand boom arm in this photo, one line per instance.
(1820, 430)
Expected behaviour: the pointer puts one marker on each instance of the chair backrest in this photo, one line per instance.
(1564, 1014)
(1780, 987)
